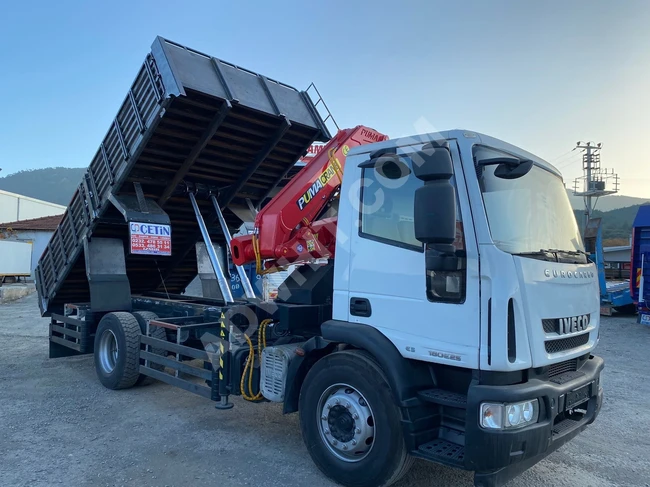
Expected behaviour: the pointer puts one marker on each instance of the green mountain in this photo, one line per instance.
(53, 184)
(615, 223)
(607, 203)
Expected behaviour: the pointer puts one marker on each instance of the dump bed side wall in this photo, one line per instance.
(221, 79)
(137, 118)
(188, 118)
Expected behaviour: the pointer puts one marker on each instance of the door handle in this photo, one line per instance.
(360, 307)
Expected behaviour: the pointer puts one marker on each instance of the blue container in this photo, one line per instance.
(236, 287)
(640, 279)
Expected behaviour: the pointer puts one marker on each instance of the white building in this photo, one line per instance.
(37, 231)
(15, 207)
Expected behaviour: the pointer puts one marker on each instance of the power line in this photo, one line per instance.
(562, 155)
(570, 161)
(570, 155)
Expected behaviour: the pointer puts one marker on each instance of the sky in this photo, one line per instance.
(540, 75)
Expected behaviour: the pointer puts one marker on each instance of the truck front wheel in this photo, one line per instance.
(350, 423)
(117, 350)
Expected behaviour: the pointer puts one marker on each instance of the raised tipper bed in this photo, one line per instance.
(188, 121)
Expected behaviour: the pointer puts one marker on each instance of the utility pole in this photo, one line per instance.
(595, 179)
(587, 164)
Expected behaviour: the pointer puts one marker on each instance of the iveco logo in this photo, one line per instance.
(569, 274)
(572, 325)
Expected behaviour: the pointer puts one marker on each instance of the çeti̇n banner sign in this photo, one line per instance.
(150, 239)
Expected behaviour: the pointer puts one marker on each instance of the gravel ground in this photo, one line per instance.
(58, 425)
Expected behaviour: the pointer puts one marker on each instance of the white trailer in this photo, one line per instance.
(15, 259)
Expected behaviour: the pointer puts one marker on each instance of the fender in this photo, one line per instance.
(405, 376)
(314, 349)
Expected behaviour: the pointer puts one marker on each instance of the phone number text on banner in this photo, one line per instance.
(150, 239)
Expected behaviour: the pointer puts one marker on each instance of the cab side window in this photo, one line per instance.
(387, 202)
(388, 188)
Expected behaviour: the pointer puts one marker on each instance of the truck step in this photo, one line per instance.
(442, 451)
(444, 398)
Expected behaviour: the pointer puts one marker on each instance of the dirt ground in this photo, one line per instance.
(58, 425)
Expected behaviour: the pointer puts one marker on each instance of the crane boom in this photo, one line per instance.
(286, 230)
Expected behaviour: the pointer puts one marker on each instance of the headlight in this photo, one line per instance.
(509, 416)
(528, 412)
(492, 416)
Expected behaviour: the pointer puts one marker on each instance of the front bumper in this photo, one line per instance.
(499, 455)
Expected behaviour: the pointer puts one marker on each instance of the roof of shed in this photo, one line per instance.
(46, 223)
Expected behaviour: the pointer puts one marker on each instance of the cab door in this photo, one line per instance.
(389, 286)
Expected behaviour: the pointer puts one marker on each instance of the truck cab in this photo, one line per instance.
(504, 318)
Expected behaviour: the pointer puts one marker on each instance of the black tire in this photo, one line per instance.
(124, 368)
(388, 459)
(143, 318)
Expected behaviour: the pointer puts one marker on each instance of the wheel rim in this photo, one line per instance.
(108, 351)
(346, 422)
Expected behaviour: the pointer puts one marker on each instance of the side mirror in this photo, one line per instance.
(508, 167)
(435, 213)
(433, 162)
(435, 202)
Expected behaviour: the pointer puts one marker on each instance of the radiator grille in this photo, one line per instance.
(555, 346)
(562, 367)
(550, 326)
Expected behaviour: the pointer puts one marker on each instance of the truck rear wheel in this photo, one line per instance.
(117, 350)
(143, 318)
(350, 423)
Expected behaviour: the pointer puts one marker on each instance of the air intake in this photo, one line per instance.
(512, 337)
(550, 326)
(555, 346)
(562, 367)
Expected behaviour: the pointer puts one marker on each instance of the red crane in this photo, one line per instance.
(287, 230)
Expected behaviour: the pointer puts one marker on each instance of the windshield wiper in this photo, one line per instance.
(541, 254)
(555, 255)
(570, 252)
(566, 256)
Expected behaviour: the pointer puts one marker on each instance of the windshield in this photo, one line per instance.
(529, 214)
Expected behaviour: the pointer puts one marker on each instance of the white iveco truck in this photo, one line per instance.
(495, 330)
(444, 308)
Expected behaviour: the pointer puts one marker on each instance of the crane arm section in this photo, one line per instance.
(286, 230)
